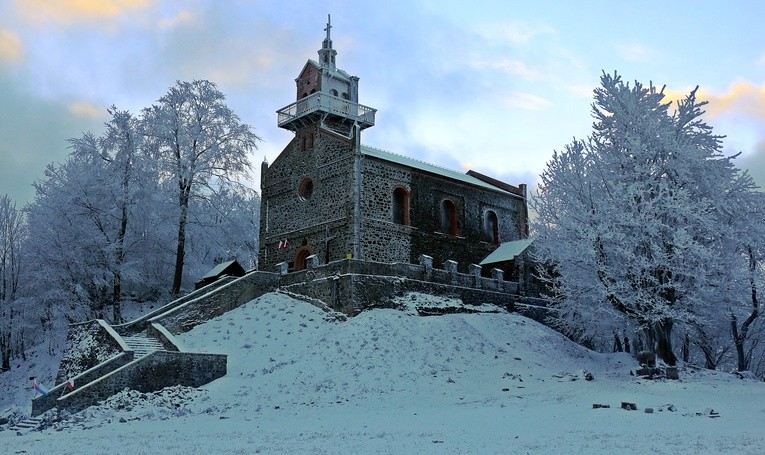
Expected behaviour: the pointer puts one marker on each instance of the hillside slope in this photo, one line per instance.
(392, 382)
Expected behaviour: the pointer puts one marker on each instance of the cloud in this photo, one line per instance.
(508, 66)
(742, 97)
(755, 163)
(70, 11)
(11, 49)
(525, 101)
(636, 52)
(183, 17)
(85, 109)
(516, 32)
(34, 132)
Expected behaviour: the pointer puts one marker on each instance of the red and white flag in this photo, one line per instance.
(70, 384)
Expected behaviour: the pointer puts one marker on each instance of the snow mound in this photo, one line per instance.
(389, 381)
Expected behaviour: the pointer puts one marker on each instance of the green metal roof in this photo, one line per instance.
(430, 168)
(507, 251)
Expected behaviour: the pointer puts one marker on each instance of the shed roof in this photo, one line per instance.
(507, 251)
(430, 168)
(220, 268)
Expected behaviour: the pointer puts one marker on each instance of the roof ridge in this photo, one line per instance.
(415, 159)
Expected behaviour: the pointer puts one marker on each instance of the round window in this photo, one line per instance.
(305, 190)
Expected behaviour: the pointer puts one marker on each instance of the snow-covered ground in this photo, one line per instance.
(388, 381)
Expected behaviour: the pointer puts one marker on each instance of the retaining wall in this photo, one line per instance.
(227, 297)
(44, 403)
(350, 285)
(148, 374)
(138, 325)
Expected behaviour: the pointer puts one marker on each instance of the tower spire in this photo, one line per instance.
(326, 53)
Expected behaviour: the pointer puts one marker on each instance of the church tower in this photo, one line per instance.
(326, 96)
(311, 193)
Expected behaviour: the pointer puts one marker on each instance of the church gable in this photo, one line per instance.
(309, 80)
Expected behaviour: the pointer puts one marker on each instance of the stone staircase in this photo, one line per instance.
(137, 359)
(142, 344)
(31, 423)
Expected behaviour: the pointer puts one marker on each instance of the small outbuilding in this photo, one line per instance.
(230, 268)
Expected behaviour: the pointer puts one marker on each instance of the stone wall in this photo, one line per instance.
(45, 403)
(471, 244)
(140, 324)
(151, 373)
(305, 221)
(383, 240)
(232, 295)
(87, 345)
(349, 286)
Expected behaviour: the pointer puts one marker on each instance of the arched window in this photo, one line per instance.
(333, 92)
(491, 226)
(448, 217)
(345, 96)
(401, 206)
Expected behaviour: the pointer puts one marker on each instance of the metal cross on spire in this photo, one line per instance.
(326, 53)
(329, 27)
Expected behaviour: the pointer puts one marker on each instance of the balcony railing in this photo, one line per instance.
(323, 103)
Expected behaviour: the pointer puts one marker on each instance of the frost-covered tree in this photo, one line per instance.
(631, 221)
(747, 227)
(115, 162)
(80, 218)
(198, 142)
(12, 231)
(225, 227)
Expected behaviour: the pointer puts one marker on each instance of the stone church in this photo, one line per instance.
(329, 197)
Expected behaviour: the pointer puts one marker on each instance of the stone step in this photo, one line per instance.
(27, 424)
(142, 344)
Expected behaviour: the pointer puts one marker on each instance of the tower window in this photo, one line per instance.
(491, 226)
(333, 92)
(448, 217)
(401, 206)
(306, 141)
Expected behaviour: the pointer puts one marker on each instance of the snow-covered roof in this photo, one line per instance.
(430, 168)
(507, 251)
(218, 269)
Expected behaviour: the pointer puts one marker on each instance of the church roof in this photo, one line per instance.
(507, 251)
(430, 168)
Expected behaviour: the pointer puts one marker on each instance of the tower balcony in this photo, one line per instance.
(307, 109)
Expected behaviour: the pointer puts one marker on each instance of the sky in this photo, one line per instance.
(494, 86)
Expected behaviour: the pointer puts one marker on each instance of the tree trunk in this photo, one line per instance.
(686, 349)
(739, 336)
(662, 337)
(181, 250)
(5, 351)
(618, 343)
(117, 297)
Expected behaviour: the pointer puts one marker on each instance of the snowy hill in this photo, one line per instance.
(389, 381)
